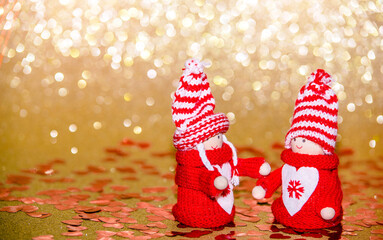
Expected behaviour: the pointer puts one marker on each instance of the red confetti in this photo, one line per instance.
(108, 219)
(125, 234)
(72, 234)
(143, 145)
(240, 224)
(157, 225)
(127, 141)
(113, 225)
(29, 208)
(345, 152)
(157, 235)
(116, 151)
(96, 169)
(154, 189)
(72, 222)
(351, 228)
(126, 170)
(110, 159)
(150, 231)
(111, 209)
(162, 154)
(120, 214)
(279, 236)
(138, 227)
(18, 179)
(44, 237)
(101, 233)
(249, 219)
(39, 214)
(168, 176)
(140, 237)
(375, 238)
(11, 209)
(264, 227)
(76, 228)
(377, 231)
(119, 188)
(87, 209)
(255, 233)
(88, 216)
(192, 234)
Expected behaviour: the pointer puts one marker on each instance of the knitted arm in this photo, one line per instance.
(330, 204)
(199, 179)
(255, 167)
(270, 183)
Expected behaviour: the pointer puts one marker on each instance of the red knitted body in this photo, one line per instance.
(327, 192)
(196, 201)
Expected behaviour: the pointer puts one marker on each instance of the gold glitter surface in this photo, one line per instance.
(70, 69)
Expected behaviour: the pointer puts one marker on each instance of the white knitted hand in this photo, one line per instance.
(220, 183)
(327, 213)
(258, 192)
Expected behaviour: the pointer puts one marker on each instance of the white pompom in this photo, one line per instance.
(258, 192)
(220, 183)
(327, 213)
(320, 76)
(265, 169)
(193, 66)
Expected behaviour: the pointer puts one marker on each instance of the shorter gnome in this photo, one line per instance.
(311, 190)
(207, 163)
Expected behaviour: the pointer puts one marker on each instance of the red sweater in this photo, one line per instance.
(198, 201)
(309, 184)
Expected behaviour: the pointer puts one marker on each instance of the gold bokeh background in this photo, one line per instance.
(80, 75)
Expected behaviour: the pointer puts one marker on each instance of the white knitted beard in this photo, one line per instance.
(202, 155)
(206, 162)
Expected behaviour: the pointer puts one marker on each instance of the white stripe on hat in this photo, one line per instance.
(318, 102)
(327, 129)
(182, 92)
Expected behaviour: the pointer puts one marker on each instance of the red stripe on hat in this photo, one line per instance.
(313, 98)
(315, 119)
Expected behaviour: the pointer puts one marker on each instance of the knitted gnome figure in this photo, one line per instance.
(207, 163)
(311, 190)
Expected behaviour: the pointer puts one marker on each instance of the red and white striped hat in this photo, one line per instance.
(193, 109)
(315, 113)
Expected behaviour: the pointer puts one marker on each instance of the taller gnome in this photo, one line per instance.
(207, 163)
(311, 190)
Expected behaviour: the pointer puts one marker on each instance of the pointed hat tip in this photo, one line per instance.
(320, 76)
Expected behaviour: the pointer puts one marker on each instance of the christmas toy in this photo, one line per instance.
(207, 163)
(311, 190)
